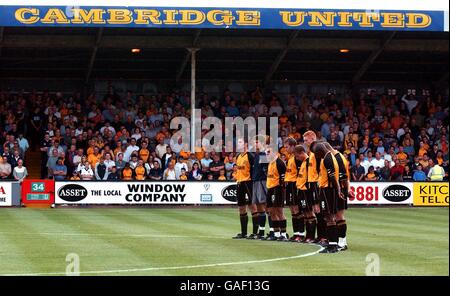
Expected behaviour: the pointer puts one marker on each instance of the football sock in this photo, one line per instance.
(255, 220)
(244, 222)
(276, 227)
(332, 235)
(283, 225)
(269, 219)
(321, 226)
(295, 224)
(342, 232)
(301, 225)
(311, 228)
(262, 222)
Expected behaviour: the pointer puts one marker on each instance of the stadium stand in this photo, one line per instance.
(395, 135)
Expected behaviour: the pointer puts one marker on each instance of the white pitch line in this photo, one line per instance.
(172, 267)
(113, 235)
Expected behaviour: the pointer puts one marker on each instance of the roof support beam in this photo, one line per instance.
(187, 57)
(93, 55)
(373, 56)
(2, 31)
(280, 56)
(80, 42)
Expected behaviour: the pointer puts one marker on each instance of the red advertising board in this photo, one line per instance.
(38, 193)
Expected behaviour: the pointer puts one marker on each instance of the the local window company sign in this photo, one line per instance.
(366, 193)
(145, 193)
(411, 15)
(5, 194)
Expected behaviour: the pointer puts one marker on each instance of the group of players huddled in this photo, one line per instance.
(313, 181)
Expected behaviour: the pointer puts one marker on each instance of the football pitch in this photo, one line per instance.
(197, 241)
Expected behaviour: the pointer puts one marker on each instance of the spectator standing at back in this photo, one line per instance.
(161, 148)
(397, 171)
(371, 175)
(23, 144)
(180, 165)
(155, 172)
(436, 173)
(358, 172)
(101, 170)
(86, 172)
(59, 170)
(169, 173)
(130, 150)
(52, 161)
(216, 166)
(45, 148)
(407, 175)
(385, 171)
(419, 174)
(20, 172)
(5, 168)
(113, 175)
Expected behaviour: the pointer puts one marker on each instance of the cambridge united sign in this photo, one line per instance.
(248, 14)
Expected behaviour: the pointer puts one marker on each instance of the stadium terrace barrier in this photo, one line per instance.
(213, 193)
(9, 194)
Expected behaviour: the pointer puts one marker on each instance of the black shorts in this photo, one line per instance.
(275, 197)
(312, 186)
(291, 194)
(328, 200)
(306, 200)
(342, 203)
(244, 193)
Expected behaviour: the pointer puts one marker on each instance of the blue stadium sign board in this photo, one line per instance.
(412, 15)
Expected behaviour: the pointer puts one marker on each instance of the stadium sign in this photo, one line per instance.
(122, 193)
(381, 193)
(248, 14)
(230, 193)
(431, 194)
(5, 194)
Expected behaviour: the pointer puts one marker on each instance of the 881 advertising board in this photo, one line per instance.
(381, 193)
(145, 193)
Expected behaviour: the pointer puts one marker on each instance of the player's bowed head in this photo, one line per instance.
(319, 149)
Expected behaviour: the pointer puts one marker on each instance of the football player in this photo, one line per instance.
(305, 195)
(344, 182)
(244, 163)
(259, 187)
(313, 176)
(275, 193)
(292, 164)
(329, 192)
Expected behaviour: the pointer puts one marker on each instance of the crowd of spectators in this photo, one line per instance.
(385, 136)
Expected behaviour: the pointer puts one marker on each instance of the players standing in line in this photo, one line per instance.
(305, 196)
(244, 163)
(275, 193)
(313, 176)
(329, 192)
(344, 182)
(292, 164)
(259, 199)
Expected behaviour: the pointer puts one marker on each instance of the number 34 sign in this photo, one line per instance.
(40, 193)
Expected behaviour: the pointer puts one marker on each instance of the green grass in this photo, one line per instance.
(408, 241)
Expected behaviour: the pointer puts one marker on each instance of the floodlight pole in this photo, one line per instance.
(193, 52)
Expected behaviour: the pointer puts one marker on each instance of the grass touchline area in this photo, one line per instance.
(197, 241)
